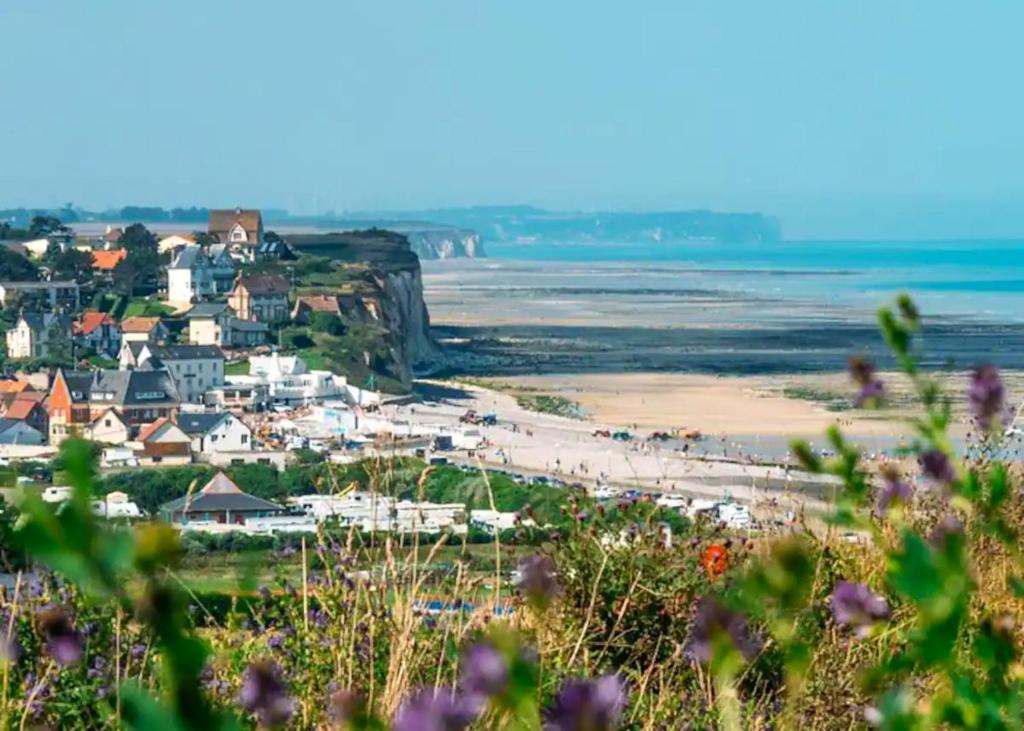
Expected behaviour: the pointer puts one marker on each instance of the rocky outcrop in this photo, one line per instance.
(445, 243)
(386, 296)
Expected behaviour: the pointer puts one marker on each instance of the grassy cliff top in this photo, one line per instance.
(383, 249)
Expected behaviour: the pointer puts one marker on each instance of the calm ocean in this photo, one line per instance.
(980, 279)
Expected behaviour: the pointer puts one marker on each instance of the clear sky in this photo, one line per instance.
(857, 118)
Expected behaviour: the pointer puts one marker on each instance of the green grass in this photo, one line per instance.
(831, 401)
(545, 404)
(98, 361)
(142, 307)
(237, 368)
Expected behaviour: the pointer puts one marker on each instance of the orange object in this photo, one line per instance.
(716, 560)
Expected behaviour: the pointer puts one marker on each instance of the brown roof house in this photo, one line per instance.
(241, 228)
(263, 298)
(163, 442)
(138, 329)
(306, 305)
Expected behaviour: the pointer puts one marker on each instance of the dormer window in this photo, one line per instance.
(238, 233)
(150, 394)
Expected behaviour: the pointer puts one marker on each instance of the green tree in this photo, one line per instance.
(15, 267)
(72, 264)
(43, 226)
(327, 322)
(142, 265)
(60, 342)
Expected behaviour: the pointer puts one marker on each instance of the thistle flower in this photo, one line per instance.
(894, 490)
(63, 643)
(484, 670)
(538, 580)
(986, 396)
(936, 465)
(714, 620)
(435, 710)
(265, 694)
(587, 705)
(862, 371)
(855, 605)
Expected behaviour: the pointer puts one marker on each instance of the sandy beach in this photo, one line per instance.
(712, 404)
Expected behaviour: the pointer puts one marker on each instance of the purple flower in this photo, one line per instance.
(275, 641)
(936, 465)
(484, 670)
(986, 396)
(855, 605)
(862, 371)
(538, 580)
(947, 528)
(713, 621)
(265, 694)
(894, 490)
(587, 705)
(138, 650)
(435, 710)
(63, 643)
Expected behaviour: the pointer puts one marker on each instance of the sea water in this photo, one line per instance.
(975, 279)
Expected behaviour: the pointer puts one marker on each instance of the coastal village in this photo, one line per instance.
(196, 372)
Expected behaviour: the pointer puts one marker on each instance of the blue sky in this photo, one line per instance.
(846, 119)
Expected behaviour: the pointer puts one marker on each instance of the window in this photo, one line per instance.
(245, 439)
(237, 461)
(213, 438)
(263, 460)
(106, 422)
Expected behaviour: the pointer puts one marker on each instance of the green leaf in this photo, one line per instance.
(143, 712)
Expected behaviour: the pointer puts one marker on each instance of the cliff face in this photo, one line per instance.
(384, 299)
(446, 243)
(391, 304)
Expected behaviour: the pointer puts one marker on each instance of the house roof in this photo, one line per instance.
(91, 319)
(319, 303)
(7, 424)
(52, 284)
(220, 494)
(197, 424)
(183, 352)
(113, 235)
(122, 388)
(107, 260)
(150, 429)
(39, 321)
(207, 309)
(190, 257)
(249, 325)
(108, 412)
(21, 409)
(10, 385)
(221, 220)
(138, 324)
(264, 284)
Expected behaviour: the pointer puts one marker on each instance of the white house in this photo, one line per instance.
(37, 248)
(34, 334)
(216, 324)
(194, 368)
(289, 381)
(107, 428)
(190, 277)
(223, 432)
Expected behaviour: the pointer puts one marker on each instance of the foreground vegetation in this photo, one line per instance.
(614, 621)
